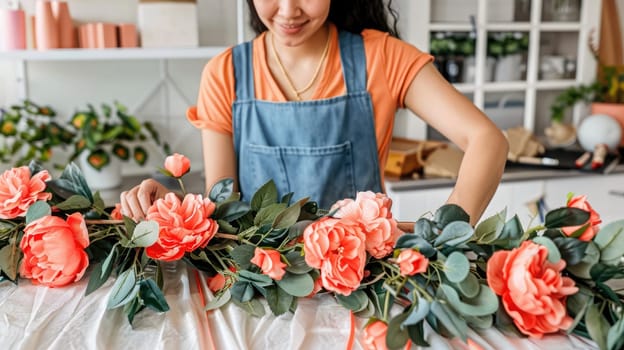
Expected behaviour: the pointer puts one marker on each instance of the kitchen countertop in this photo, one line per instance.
(512, 173)
(194, 181)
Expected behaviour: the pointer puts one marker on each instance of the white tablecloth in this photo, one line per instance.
(35, 317)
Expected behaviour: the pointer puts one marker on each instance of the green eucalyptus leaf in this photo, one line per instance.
(417, 313)
(424, 228)
(278, 299)
(37, 210)
(230, 211)
(132, 308)
(485, 303)
(267, 214)
(144, 234)
(468, 287)
(602, 272)
(296, 230)
(265, 195)
(490, 229)
(566, 216)
(152, 296)
(75, 202)
(578, 303)
(553, 252)
(397, 336)
(417, 334)
(219, 300)
(242, 255)
(124, 289)
(9, 257)
(297, 263)
(355, 301)
(449, 213)
(450, 320)
(411, 241)
(572, 250)
(242, 291)
(75, 181)
(256, 279)
(480, 322)
(222, 190)
(615, 336)
(289, 216)
(591, 257)
(456, 267)
(101, 272)
(597, 326)
(511, 234)
(454, 234)
(610, 240)
(300, 285)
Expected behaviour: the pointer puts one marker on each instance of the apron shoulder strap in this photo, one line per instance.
(243, 71)
(353, 60)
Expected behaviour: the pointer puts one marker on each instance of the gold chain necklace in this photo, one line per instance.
(288, 80)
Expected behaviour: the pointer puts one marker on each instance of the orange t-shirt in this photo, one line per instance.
(391, 65)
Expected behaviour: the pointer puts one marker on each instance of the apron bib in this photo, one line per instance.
(323, 149)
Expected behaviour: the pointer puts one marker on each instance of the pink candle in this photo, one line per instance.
(12, 30)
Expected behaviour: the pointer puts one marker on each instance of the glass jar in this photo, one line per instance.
(565, 10)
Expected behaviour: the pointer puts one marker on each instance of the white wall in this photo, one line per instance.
(69, 85)
(72, 84)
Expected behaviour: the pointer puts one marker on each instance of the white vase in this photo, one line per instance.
(109, 176)
(508, 68)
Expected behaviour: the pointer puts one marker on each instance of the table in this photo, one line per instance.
(35, 317)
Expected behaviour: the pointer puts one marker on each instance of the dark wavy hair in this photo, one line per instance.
(350, 15)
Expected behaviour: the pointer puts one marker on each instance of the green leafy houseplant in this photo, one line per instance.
(29, 132)
(112, 131)
(608, 88)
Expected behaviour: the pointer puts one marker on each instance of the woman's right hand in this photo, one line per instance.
(136, 201)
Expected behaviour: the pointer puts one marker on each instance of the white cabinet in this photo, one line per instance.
(556, 40)
(518, 197)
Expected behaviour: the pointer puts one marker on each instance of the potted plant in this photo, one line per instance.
(29, 132)
(606, 95)
(106, 137)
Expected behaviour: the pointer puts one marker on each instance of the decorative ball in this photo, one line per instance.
(599, 128)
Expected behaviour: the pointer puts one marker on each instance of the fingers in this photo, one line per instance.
(136, 202)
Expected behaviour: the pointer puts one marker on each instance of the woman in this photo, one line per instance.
(310, 103)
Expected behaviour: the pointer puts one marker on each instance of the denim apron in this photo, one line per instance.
(323, 149)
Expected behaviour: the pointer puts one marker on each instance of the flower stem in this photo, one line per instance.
(182, 186)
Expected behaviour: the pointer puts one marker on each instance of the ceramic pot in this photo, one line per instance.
(67, 38)
(614, 110)
(46, 28)
(105, 178)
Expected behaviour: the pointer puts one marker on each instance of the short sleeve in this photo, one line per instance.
(402, 62)
(216, 95)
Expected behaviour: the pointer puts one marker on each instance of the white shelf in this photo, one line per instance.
(555, 84)
(112, 54)
(450, 27)
(505, 86)
(509, 27)
(560, 27)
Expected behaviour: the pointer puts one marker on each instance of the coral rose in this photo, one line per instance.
(411, 262)
(336, 247)
(184, 225)
(116, 212)
(18, 191)
(594, 219)
(270, 262)
(177, 164)
(375, 336)
(53, 249)
(372, 211)
(532, 289)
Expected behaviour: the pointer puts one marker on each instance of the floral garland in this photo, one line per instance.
(553, 277)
